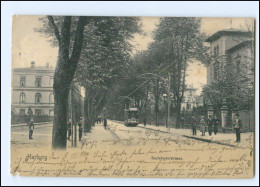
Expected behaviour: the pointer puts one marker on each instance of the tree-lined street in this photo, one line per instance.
(127, 136)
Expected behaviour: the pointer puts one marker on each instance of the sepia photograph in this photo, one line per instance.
(133, 97)
(130, 97)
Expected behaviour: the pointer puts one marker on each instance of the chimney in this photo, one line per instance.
(32, 64)
(47, 65)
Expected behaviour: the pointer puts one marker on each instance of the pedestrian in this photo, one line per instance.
(144, 121)
(69, 123)
(181, 122)
(80, 124)
(194, 125)
(216, 123)
(105, 123)
(237, 124)
(30, 125)
(210, 124)
(202, 125)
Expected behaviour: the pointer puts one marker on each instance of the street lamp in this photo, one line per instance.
(224, 112)
(168, 82)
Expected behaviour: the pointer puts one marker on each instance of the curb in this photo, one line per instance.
(191, 137)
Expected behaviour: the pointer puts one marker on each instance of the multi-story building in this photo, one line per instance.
(233, 60)
(190, 99)
(228, 46)
(32, 90)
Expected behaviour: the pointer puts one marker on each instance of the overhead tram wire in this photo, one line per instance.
(144, 83)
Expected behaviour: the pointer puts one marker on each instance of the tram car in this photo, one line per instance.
(131, 117)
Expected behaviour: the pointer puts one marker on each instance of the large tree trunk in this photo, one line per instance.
(64, 73)
(59, 131)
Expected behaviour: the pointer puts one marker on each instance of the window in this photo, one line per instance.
(22, 81)
(51, 98)
(38, 82)
(38, 112)
(22, 111)
(238, 64)
(51, 113)
(216, 51)
(38, 98)
(51, 82)
(22, 97)
(216, 70)
(188, 106)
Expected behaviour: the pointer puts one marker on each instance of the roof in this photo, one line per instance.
(229, 32)
(246, 43)
(36, 68)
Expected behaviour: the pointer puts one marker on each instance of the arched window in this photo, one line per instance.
(51, 98)
(22, 97)
(38, 98)
(216, 70)
(217, 51)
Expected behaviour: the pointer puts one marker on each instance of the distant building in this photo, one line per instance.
(228, 46)
(190, 99)
(32, 90)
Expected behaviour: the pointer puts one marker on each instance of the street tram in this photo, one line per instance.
(131, 117)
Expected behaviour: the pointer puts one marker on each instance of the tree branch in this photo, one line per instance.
(65, 36)
(54, 27)
(78, 41)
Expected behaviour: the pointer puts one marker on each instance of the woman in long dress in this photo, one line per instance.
(202, 125)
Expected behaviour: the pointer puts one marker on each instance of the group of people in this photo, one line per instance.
(212, 124)
(80, 128)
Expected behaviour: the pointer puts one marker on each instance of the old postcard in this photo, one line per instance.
(149, 97)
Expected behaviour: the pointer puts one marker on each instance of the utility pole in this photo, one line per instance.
(73, 126)
(72, 131)
(169, 101)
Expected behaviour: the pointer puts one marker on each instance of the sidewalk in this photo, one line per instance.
(221, 138)
(98, 133)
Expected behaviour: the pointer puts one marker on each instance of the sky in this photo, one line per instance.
(29, 45)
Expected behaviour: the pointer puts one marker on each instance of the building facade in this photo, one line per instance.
(224, 46)
(32, 93)
(32, 90)
(233, 62)
(190, 99)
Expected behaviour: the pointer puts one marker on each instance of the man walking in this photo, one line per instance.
(30, 125)
(216, 123)
(144, 121)
(80, 124)
(194, 125)
(105, 123)
(210, 125)
(237, 123)
(69, 128)
(182, 121)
